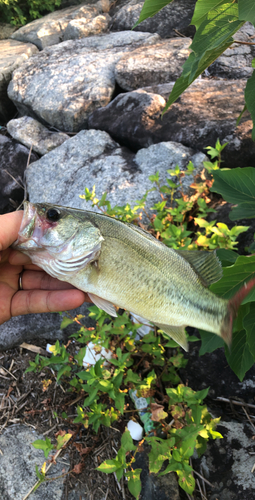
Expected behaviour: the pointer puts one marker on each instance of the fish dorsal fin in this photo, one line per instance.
(144, 233)
(177, 333)
(206, 264)
(103, 304)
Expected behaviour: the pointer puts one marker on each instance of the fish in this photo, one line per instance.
(121, 265)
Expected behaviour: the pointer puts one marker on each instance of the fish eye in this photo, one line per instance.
(53, 214)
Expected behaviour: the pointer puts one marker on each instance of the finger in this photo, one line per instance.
(17, 258)
(37, 301)
(9, 228)
(42, 281)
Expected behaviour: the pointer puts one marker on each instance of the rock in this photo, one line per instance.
(228, 463)
(13, 54)
(13, 161)
(173, 18)
(235, 62)
(33, 327)
(155, 487)
(129, 118)
(93, 158)
(207, 110)
(32, 133)
(62, 85)
(6, 30)
(49, 30)
(200, 373)
(79, 28)
(153, 65)
(17, 466)
(213, 106)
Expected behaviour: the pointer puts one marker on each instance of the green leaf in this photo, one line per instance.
(186, 481)
(44, 445)
(227, 257)
(150, 8)
(237, 186)
(236, 276)
(241, 114)
(221, 23)
(185, 81)
(249, 99)
(65, 322)
(247, 10)
(203, 8)
(80, 356)
(109, 466)
(64, 370)
(249, 325)
(213, 37)
(160, 451)
(92, 396)
(132, 377)
(209, 342)
(134, 483)
(120, 401)
(127, 442)
(239, 357)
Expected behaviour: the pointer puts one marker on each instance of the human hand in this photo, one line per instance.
(40, 292)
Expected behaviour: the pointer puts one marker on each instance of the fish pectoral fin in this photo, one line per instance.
(206, 264)
(177, 333)
(108, 307)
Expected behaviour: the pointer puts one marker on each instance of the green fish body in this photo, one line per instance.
(119, 263)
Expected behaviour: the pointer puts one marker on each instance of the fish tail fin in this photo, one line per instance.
(233, 306)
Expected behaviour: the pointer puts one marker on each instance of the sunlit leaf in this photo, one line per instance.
(202, 9)
(213, 37)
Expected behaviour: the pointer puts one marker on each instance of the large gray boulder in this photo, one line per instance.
(18, 460)
(33, 134)
(44, 327)
(93, 158)
(6, 30)
(206, 111)
(130, 118)
(13, 161)
(63, 84)
(50, 29)
(13, 54)
(80, 28)
(228, 463)
(169, 22)
(152, 65)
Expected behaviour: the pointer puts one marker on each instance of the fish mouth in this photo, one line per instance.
(32, 230)
(27, 237)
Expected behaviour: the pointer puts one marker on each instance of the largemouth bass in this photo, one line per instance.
(120, 264)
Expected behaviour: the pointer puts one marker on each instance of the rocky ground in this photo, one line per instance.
(86, 94)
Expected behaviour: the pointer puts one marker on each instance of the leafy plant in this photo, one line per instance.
(181, 423)
(20, 13)
(236, 186)
(216, 22)
(185, 424)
